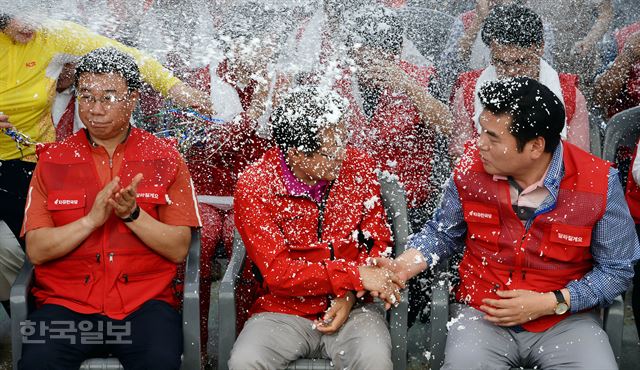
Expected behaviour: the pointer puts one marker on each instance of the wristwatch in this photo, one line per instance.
(561, 305)
(133, 216)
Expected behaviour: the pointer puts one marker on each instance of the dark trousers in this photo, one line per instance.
(15, 176)
(58, 338)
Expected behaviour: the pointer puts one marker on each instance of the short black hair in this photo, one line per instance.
(4, 20)
(302, 115)
(535, 110)
(513, 24)
(377, 27)
(110, 60)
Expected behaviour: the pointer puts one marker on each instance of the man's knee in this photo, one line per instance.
(245, 358)
(370, 358)
(34, 355)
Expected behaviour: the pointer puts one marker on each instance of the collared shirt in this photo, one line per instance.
(526, 201)
(296, 187)
(614, 243)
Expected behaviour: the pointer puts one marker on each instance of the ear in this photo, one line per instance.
(539, 50)
(537, 147)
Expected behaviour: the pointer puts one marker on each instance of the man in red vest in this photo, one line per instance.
(107, 220)
(515, 37)
(546, 235)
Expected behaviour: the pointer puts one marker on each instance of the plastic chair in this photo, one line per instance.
(596, 131)
(393, 198)
(622, 129)
(191, 359)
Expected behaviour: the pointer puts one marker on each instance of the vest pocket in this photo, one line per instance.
(483, 225)
(66, 206)
(567, 243)
(138, 287)
(62, 285)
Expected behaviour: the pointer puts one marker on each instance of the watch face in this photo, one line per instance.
(561, 308)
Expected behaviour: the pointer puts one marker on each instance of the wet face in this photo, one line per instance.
(105, 105)
(516, 61)
(325, 163)
(20, 32)
(499, 149)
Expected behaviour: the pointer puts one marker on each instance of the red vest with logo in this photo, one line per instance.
(467, 81)
(112, 272)
(501, 255)
(632, 192)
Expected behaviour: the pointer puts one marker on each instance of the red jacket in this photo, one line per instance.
(215, 168)
(112, 272)
(396, 136)
(468, 80)
(303, 260)
(632, 192)
(631, 96)
(500, 254)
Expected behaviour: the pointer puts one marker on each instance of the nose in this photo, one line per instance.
(97, 107)
(482, 142)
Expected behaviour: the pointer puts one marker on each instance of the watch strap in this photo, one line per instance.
(133, 216)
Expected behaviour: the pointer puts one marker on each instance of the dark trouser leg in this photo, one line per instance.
(49, 348)
(15, 176)
(154, 340)
(635, 297)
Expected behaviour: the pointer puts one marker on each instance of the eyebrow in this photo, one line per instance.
(489, 132)
(83, 89)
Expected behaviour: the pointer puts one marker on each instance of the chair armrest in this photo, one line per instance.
(613, 323)
(439, 319)
(19, 301)
(227, 302)
(192, 358)
(398, 328)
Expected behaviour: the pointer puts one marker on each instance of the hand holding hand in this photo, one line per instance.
(381, 283)
(4, 121)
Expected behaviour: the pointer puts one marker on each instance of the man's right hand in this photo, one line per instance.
(101, 209)
(381, 283)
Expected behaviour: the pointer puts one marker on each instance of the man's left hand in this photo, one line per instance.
(336, 315)
(517, 307)
(124, 201)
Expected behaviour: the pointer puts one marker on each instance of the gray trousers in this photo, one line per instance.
(577, 342)
(273, 340)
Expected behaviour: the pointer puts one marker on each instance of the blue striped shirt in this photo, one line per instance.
(614, 243)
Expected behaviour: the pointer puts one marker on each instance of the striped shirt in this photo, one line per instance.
(614, 243)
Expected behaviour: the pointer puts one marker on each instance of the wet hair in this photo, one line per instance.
(4, 20)
(513, 24)
(301, 117)
(379, 28)
(110, 60)
(535, 110)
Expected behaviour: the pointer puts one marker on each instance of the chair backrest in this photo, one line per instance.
(393, 199)
(191, 357)
(620, 137)
(596, 131)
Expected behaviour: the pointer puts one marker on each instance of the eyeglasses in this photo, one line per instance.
(107, 100)
(334, 155)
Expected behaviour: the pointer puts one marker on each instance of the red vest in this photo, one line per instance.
(467, 81)
(112, 272)
(632, 192)
(501, 255)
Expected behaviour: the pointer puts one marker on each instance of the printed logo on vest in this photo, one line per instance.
(30, 64)
(63, 202)
(148, 195)
(487, 216)
(570, 238)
